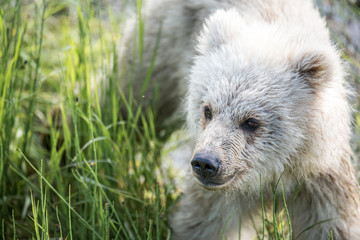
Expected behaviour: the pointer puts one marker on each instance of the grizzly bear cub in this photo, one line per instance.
(265, 100)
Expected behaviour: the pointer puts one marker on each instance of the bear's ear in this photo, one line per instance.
(219, 29)
(313, 67)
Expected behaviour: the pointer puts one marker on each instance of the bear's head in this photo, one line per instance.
(252, 98)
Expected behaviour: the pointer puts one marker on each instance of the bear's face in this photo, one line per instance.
(249, 114)
(249, 117)
(250, 101)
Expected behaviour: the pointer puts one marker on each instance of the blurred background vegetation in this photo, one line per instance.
(71, 168)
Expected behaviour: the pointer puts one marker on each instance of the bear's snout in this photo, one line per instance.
(205, 165)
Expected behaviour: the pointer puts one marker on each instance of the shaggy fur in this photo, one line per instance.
(265, 61)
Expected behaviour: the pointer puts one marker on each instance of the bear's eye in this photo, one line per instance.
(207, 113)
(250, 125)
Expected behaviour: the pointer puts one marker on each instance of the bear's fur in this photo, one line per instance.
(265, 98)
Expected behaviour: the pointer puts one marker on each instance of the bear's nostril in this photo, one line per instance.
(205, 165)
(196, 166)
(210, 167)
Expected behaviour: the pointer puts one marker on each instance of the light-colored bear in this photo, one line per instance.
(265, 98)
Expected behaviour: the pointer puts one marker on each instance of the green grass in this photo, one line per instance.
(71, 168)
(92, 175)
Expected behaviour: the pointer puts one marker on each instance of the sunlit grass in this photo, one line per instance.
(70, 167)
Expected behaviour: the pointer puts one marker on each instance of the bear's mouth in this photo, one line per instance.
(210, 184)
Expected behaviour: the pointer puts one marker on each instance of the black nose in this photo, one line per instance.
(206, 165)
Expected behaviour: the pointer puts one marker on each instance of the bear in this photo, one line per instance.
(263, 92)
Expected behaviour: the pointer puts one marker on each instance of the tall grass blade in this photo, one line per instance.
(287, 211)
(3, 228)
(59, 222)
(227, 221)
(1, 160)
(14, 226)
(262, 210)
(313, 225)
(35, 215)
(141, 26)
(152, 64)
(34, 87)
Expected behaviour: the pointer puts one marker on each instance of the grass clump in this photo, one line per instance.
(71, 168)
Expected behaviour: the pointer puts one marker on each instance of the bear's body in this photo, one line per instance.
(265, 96)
